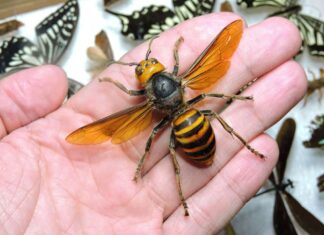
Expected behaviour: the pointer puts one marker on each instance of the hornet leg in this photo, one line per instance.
(176, 56)
(165, 121)
(202, 96)
(122, 87)
(232, 131)
(177, 173)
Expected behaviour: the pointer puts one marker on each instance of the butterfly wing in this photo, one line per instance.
(312, 32)
(119, 127)
(147, 22)
(55, 32)
(74, 87)
(187, 9)
(18, 53)
(260, 3)
(214, 62)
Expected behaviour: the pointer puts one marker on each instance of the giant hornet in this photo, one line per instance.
(164, 92)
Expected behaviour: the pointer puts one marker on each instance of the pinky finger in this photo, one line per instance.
(214, 205)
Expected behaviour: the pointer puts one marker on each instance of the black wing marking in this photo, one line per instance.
(55, 32)
(18, 53)
(147, 22)
(187, 9)
(74, 87)
(260, 3)
(312, 32)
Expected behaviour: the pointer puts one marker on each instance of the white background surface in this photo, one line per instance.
(304, 165)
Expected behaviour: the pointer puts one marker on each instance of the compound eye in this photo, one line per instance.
(154, 61)
(139, 70)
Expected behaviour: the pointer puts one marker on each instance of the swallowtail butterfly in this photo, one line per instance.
(147, 22)
(18, 53)
(187, 9)
(311, 29)
(152, 20)
(54, 34)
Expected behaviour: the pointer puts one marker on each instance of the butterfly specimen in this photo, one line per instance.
(54, 34)
(317, 83)
(320, 183)
(191, 128)
(152, 20)
(289, 216)
(226, 6)
(101, 54)
(10, 26)
(109, 2)
(311, 29)
(317, 133)
(74, 87)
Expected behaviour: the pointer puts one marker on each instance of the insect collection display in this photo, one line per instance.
(152, 20)
(289, 216)
(311, 29)
(191, 129)
(163, 91)
(54, 35)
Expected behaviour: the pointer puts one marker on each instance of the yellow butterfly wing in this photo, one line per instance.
(214, 61)
(120, 126)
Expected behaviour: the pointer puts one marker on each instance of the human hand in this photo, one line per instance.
(50, 186)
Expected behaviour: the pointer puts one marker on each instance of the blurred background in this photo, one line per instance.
(304, 164)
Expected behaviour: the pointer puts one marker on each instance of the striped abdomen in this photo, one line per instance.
(195, 136)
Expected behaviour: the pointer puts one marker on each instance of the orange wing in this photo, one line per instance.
(120, 126)
(213, 62)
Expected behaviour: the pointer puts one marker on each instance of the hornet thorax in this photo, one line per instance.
(165, 91)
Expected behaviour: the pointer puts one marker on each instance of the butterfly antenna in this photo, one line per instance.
(149, 47)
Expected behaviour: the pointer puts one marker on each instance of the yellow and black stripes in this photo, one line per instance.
(195, 137)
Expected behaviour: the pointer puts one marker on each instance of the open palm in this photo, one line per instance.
(48, 186)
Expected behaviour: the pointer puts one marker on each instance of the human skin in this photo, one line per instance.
(48, 186)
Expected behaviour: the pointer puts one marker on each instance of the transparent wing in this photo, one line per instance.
(120, 126)
(214, 62)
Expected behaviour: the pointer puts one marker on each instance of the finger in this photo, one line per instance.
(30, 94)
(270, 45)
(249, 119)
(214, 205)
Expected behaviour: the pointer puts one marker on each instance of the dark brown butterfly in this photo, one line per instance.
(101, 54)
(289, 216)
(10, 26)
